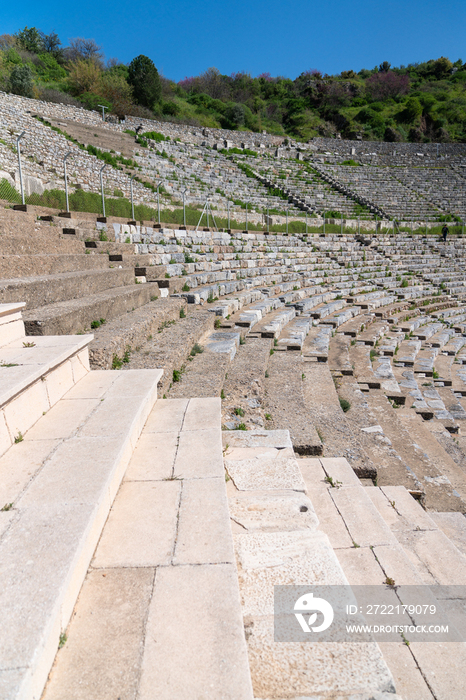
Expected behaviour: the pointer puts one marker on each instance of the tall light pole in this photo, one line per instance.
(132, 200)
(158, 202)
(184, 208)
(102, 187)
(18, 148)
(103, 111)
(66, 181)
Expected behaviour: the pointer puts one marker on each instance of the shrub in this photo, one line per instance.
(21, 81)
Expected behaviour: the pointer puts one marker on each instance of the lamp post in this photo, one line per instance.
(102, 187)
(158, 202)
(66, 181)
(184, 208)
(103, 111)
(132, 201)
(18, 148)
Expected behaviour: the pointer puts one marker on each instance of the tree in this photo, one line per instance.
(84, 49)
(116, 90)
(382, 86)
(51, 44)
(384, 67)
(144, 78)
(413, 109)
(442, 67)
(235, 114)
(30, 40)
(21, 82)
(84, 76)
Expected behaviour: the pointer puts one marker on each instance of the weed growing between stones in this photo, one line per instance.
(333, 482)
(29, 345)
(97, 324)
(19, 438)
(196, 350)
(182, 313)
(7, 506)
(239, 412)
(345, 405)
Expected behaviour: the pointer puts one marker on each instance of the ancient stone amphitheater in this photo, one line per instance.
(190, 417)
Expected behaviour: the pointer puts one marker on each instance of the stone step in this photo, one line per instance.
(364, 526)
(166, 548)
(278, 542)
(76, 315)
(453, 525)
(294, 333)
(35, 376)
(61, 481)
(11, 322)
(50, 264)
(116, 339)
(285, 403)
(49, 289)
(316, 344)
(38, 243)
(433, 554)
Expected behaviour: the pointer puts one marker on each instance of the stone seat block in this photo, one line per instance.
(75, 315)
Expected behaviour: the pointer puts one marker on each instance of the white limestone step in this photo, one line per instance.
(34, 375)
(380, 555)
(453, 525)
(162, 588)
(59, 484)
(277, 542)
(11, 323)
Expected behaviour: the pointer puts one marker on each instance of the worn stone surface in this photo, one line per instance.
(282, 558)
(102, 655)
(265, 473)
(291, 670)
(275, 512)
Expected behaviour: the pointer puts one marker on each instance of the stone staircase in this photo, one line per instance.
(380, 532)
(67, 437)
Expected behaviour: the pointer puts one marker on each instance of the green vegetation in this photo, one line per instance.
(196, 350)
(345, 405)
(420, 102)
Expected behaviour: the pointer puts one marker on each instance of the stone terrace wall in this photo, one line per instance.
(344, 147)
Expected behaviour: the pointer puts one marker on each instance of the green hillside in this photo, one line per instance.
(424, 102)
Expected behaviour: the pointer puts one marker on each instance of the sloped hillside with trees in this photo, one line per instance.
(421, 102)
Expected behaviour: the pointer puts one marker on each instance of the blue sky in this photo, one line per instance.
(283, 38)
